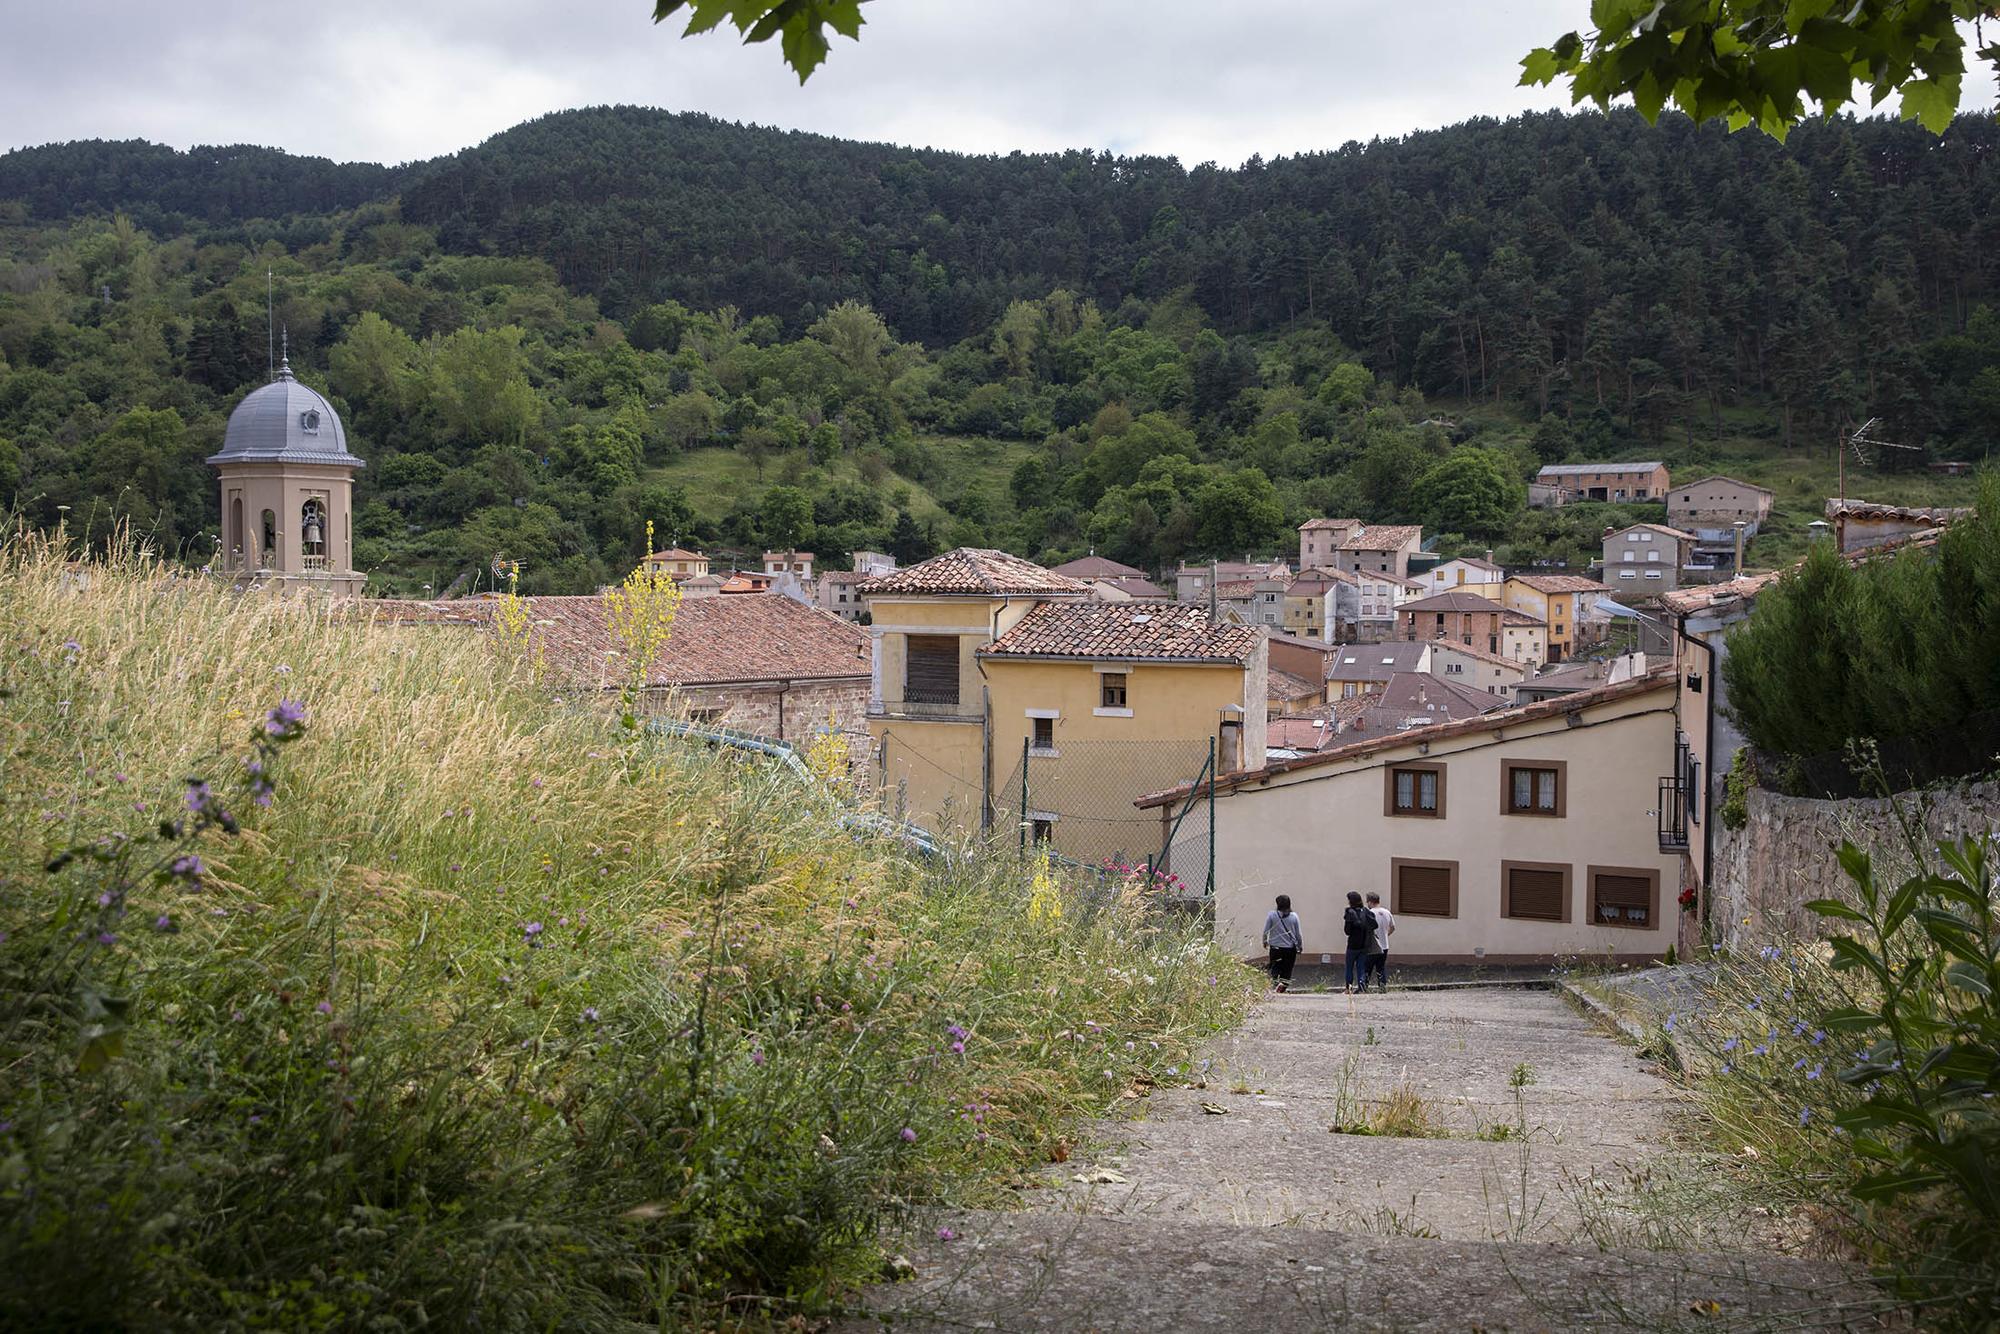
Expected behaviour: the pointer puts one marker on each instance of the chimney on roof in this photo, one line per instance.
(1489, 555)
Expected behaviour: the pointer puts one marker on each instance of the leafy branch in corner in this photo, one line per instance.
(799, 25)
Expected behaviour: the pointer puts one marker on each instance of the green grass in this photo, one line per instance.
(349, 1085)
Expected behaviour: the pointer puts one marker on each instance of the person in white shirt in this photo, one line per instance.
(1377, 964)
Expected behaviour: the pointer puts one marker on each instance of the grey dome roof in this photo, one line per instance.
(286, 421)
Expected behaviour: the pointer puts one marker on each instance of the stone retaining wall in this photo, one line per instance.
(1784, 856)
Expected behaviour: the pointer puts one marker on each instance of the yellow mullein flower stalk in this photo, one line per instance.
(640, 613)
(1044, 894)
(513, 620)
(826, 758)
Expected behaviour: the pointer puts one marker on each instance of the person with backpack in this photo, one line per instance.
(1282, 937)
(1362, 930)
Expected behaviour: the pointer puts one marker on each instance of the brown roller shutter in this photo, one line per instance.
(932, 674)
(1626, 899)
(1536, 894)
(1424, 891)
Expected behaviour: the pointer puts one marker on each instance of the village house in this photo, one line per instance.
(1381, 549)
(757, 663)
(1306, 603)
(1416, 699)
(1192, 582)
(1467, 618)
(1308, 659)
(1515, 836)
(1475, 667)
(1645, 560)
(1364, 669)
(840, 593)
(1361, 607)
(1718, 502)
(1566, 603)
(799, 563)
(1114, 581)
(988, 668)
(680, 564)
(1253, 601)
(1554, 682)
(871, 562)
(1469, 574)
(1320, 538)
(1562, 483)
(1859, 524)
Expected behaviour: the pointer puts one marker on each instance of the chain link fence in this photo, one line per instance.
(1078, 800)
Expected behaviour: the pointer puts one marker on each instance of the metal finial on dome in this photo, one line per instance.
(285, 354)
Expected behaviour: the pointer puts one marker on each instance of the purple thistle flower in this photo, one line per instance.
(324, 1007)
(909, 1135)
(197, 796)
(71, 646)
(756, 1056)
(1805, 1115)
(287, 720)
(532, 930)
(946, 1234)
(590, 1013)
(187, 868)
(163, 923)
(106, 938)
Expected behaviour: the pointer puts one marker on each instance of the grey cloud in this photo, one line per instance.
(376, 80)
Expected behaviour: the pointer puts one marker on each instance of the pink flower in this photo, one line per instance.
(946, 1234)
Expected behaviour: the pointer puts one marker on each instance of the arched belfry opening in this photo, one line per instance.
(284, 458)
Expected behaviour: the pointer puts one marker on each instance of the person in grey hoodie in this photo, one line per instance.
(1282, 937)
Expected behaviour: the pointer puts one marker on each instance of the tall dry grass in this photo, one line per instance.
(495, 1015)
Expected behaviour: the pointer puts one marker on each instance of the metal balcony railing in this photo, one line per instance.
(929, 704)
(1673, 813)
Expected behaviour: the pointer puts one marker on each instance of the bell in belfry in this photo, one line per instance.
(312, 531)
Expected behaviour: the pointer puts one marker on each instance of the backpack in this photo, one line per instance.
(1361, 926)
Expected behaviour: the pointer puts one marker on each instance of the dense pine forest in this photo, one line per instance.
(751, 336)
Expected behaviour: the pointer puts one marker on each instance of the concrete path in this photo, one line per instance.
(1449, 1160)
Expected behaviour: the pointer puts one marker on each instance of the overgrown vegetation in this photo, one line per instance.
(585, 323)
(1853, 1080)
(1902, 652)
(487, 1018)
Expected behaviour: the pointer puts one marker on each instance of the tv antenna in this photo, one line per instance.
(1867, 437)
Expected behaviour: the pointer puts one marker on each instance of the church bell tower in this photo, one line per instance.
(287, 492)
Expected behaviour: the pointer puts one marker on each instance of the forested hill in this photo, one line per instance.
(1488, 258)
(605, 316)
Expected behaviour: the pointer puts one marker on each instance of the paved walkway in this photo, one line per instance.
(1451, 1160)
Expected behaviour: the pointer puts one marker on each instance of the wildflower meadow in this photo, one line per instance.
(349, 978)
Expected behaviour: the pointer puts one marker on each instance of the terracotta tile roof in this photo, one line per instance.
(1453, 600)
(1383, 537)
(1718, 477)
(1101, 630)
(1559, 583)
(715, 641)
(1234, 569)
(676, 553)
(1660, 679)
(1098, 567)
(1237, 588)
(1868, 509)
(1138, 588)
(1285, 685)
(844, 576)
(1412, 696)
(1314, 525)
(975, 572)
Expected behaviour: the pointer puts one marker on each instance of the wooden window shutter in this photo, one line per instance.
(1536, 894)
(1623, 898)
(932, 673)
(1424, 891)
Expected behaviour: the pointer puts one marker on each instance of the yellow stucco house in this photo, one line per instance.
(1565, 601)
(1006, 700)
(679, 563)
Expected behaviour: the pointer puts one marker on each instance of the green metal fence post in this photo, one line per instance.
(1211, 817)
(1024, 795)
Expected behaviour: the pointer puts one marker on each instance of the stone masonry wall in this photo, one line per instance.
(1784, 856)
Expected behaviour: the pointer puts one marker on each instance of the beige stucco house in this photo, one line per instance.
(1475, 667)
(678, 562)
(1718, 502)
(1515, 836)
(1320, 538)
(1469, 574)
(1379, 549)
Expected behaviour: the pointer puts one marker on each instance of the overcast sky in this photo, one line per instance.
(393, 80)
